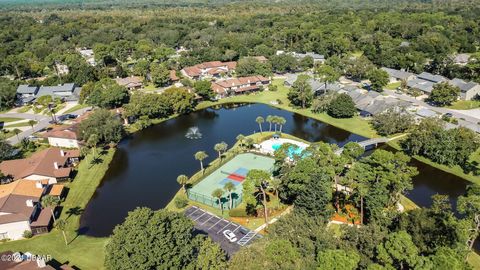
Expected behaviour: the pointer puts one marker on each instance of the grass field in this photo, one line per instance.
(465, 105)
(9, 119)
(22, 124)
(393, 86)
(76, 107)
(355, 124)
(82, 251)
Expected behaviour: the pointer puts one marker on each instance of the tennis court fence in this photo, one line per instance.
(213, 202)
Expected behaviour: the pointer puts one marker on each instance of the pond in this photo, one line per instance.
(144, 169)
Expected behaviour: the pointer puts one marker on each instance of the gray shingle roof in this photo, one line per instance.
(424, 112)
(397, 74)
(431, 77)
(422, 85)
(26, 89)
(463, 85)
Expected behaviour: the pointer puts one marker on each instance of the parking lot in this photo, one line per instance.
(215, 227)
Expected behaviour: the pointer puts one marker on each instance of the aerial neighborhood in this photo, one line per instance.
(240, 135)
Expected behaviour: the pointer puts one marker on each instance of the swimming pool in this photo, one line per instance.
(292, 150)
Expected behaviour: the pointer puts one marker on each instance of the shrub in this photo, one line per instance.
(181, 202)
(273, 88)
(27, 234)
(342, 107)
(238, 212)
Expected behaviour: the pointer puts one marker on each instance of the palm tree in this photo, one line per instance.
(51, 202)
(32, 124)
(218, 193)
(240, 139)
(61, 225)
(16, 132)
(92, 143)
(281, 121)
(249, 142)
(260, 121)
(220, 147)
(275, 121)
(269, 120)
(200, 156)
(229, 187)
(183, 180)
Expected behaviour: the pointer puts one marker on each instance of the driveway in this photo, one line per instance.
(472, 118)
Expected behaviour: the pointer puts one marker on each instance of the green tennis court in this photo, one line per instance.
(233, 171)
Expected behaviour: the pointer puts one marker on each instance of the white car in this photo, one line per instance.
(230, 235)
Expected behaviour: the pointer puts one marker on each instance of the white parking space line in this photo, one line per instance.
(207, 219)
(224, 227)
(219, 220)
(237, 228)
(199, 216)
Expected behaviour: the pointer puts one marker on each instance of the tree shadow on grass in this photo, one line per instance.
(95, 161)
(471, 167)
(74, 211)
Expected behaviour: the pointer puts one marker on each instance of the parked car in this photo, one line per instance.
(230, 236)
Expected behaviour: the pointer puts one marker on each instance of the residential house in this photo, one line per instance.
(25, 261)
(53, 164)
(261, 59)
(131, 83)
(371, 103)
(317, 86)
(468, 90)
(425, 82)
(20, 209)
(67, 92)
(61, 69)
(398, 75)
(214, 69)
(173, 76)
(88, 55)
(461, 59)
(240, 85)
(317, 58)
(63, 136)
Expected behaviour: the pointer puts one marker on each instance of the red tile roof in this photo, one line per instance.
(244, 84)
(40, 163)
(64, 132)
(213, 68)
(173, 76)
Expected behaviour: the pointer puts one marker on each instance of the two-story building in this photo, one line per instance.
(21, 211)
(53, 164)
(236, 86)
(214, 69)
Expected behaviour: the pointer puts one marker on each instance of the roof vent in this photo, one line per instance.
(29, 203)
(62, 153)
(55, 165)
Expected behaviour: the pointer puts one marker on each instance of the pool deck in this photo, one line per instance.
(266, 147)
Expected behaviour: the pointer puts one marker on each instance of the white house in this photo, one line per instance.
(21, 211)
(53, 164)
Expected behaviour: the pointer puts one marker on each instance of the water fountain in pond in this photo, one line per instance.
(193, 133)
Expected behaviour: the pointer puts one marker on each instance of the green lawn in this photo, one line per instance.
(465, 105)
(9, 119)
(393, 86)
(82, 251)
(22, 124)
(279, 99)
(76, 107)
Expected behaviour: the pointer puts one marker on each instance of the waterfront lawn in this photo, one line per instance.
(279, 99)
(82, 251)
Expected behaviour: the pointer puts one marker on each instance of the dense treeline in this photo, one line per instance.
(409, 40)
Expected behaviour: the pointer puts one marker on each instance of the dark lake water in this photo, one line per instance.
(145, 167)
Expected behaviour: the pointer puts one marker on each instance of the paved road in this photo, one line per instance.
(43, 122)
(455, 113)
